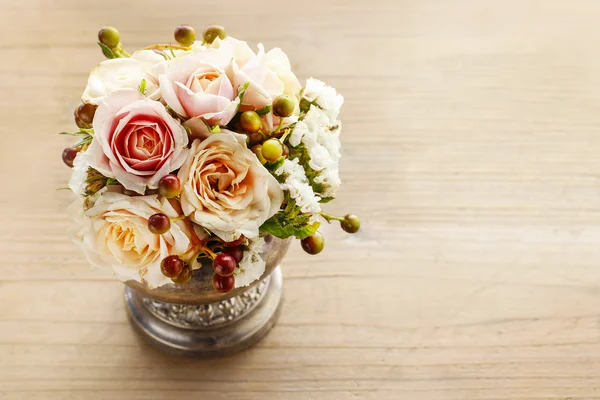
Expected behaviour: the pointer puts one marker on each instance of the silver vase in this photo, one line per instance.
(195, 319)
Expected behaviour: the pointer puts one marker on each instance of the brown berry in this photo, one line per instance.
(171, 266)
(159, 223)
(223, 284)
(185, 276)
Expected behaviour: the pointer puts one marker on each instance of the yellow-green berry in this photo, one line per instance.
(272, 149)
(283, 106)
(250, 121)
(185, 35)
(213, 32)
(109, 36)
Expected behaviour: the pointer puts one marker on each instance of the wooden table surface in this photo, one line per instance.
(471, 152)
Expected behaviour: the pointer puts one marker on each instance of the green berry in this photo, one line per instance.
(351, 223)
(185, 35)
(283, 106)
(109, 36)
(272, 149)
(250, 121)
(213, 32)
(313, 244)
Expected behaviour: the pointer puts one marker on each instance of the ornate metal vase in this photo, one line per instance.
(195, 319)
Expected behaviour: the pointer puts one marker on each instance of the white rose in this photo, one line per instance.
(232, 47)
(226, 189)
(120, 73)
(114, 233)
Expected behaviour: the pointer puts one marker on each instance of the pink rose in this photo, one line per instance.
(196, 86)
(136, 141)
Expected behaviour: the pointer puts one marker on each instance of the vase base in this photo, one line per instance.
(211, 330)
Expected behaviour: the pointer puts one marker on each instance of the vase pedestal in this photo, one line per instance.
(212, 329)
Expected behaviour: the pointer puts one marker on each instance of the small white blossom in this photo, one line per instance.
(252, 265)
(300, 190)
(325, 96)
(323, 144)
(79, 175)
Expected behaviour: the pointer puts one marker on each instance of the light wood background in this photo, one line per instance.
(471, 152)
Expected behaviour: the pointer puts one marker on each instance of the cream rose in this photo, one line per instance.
(136, 141)
(269, 76)
(226, 189)
(114, 233)
(196, 86)
(122, 73)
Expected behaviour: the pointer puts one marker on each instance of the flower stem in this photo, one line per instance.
(330, 218)
(280, 125)
(285, 136)
(166, 47)
(198, 243)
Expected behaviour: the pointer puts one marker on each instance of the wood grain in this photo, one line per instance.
(470, 152)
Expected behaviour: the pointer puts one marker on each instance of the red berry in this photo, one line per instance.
(169, 186)
(224, 264)
(313, 244)
(223, 284)
(236, 242)
(68, 156)
(185, 276)
(171, 266)
(235, 252)
(159, 223)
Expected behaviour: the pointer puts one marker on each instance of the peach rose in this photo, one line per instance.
(226, 189)
(136, 141)
(114, 233)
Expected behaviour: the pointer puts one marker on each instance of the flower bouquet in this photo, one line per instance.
(194, 158)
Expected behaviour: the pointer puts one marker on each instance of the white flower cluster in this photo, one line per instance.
(299, 188)
(319, 131)
(252, 265)
(326, 97)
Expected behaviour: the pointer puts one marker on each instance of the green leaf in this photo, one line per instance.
(279, 225)
(84, 141)
(172, 52)
(107, 51)
(275, 165)
(325, 200)
(142, 87)
(84, 132)
(290, 221)
(265, 110)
